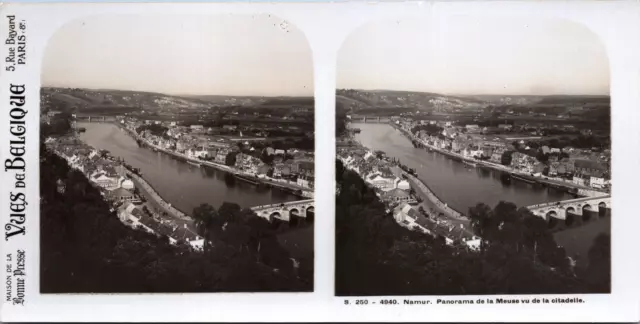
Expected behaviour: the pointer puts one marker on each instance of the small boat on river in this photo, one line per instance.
(470, 163)
(194, 163)
(522, 178)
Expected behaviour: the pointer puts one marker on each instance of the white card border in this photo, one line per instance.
(326, 25)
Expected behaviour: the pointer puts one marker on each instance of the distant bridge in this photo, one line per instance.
(561, 209)
(88, 118)
(370, 119)
(284, 211)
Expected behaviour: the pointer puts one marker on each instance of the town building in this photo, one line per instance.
(104, 180)
(396, 196)
(378, 181)
(402, 184)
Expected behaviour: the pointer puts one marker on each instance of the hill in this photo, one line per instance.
(355, 100)
(363, 99)
(76, 99)
(93, 100)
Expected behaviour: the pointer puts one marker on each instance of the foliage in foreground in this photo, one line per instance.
(85, 248)
(375, 256)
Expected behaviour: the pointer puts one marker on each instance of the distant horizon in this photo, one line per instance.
(484, 94)
(177, 95)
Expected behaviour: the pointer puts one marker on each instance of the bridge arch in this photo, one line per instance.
(310, 213)
(274, 215)
(569, 218)
(551, 219)
(602, 209)
(586, 215)
(552, 222)
(294, 217)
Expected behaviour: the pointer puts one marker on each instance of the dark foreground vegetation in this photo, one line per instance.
(375, 256)
(84, 248)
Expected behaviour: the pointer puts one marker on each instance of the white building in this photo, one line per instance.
(126, 184)
(474, 243)
(380, 182)
(403, 215)
(303, 182)
(201, 153)
(597, 182)
(129, 214)
(197, 244)
(402, 184)
(104, 181)
(368, 155)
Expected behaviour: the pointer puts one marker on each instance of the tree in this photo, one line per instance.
(480, 217)
(376, 256)
(87, 249)
(266, 157)
(542, 157)
(339, 171)
(599, 270)
(506, 157)
(59, 125)
(203, 217)
(230, 159)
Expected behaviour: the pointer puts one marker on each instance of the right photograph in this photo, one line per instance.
(473, 158)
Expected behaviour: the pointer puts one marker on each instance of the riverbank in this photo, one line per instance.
(428, 194)
(575, 189)
(285, 185)
(431, 203)
(151, 194)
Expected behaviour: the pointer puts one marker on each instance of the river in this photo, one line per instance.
(457, 184)
(461, 186)
(186, 186)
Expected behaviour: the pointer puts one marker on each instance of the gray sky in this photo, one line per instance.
(475, 56)
(210, 55)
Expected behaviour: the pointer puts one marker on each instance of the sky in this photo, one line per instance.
(238, 55)
(473, 56)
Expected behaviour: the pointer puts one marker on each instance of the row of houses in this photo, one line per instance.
(133, 216)
(301, 168)
(410, 218)
(109, 175)
(391, 189)
(105, 173)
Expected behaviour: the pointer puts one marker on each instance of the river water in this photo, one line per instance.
(455, 183)
(461, 186)
(184, 185)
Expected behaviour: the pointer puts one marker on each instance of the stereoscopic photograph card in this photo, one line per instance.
(415, 161)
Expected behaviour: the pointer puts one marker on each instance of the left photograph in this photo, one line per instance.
(177, 155)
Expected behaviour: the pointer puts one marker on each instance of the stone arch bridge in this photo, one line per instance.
(370, 119)
(93, 119)
(560, 209)
(284, 211)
